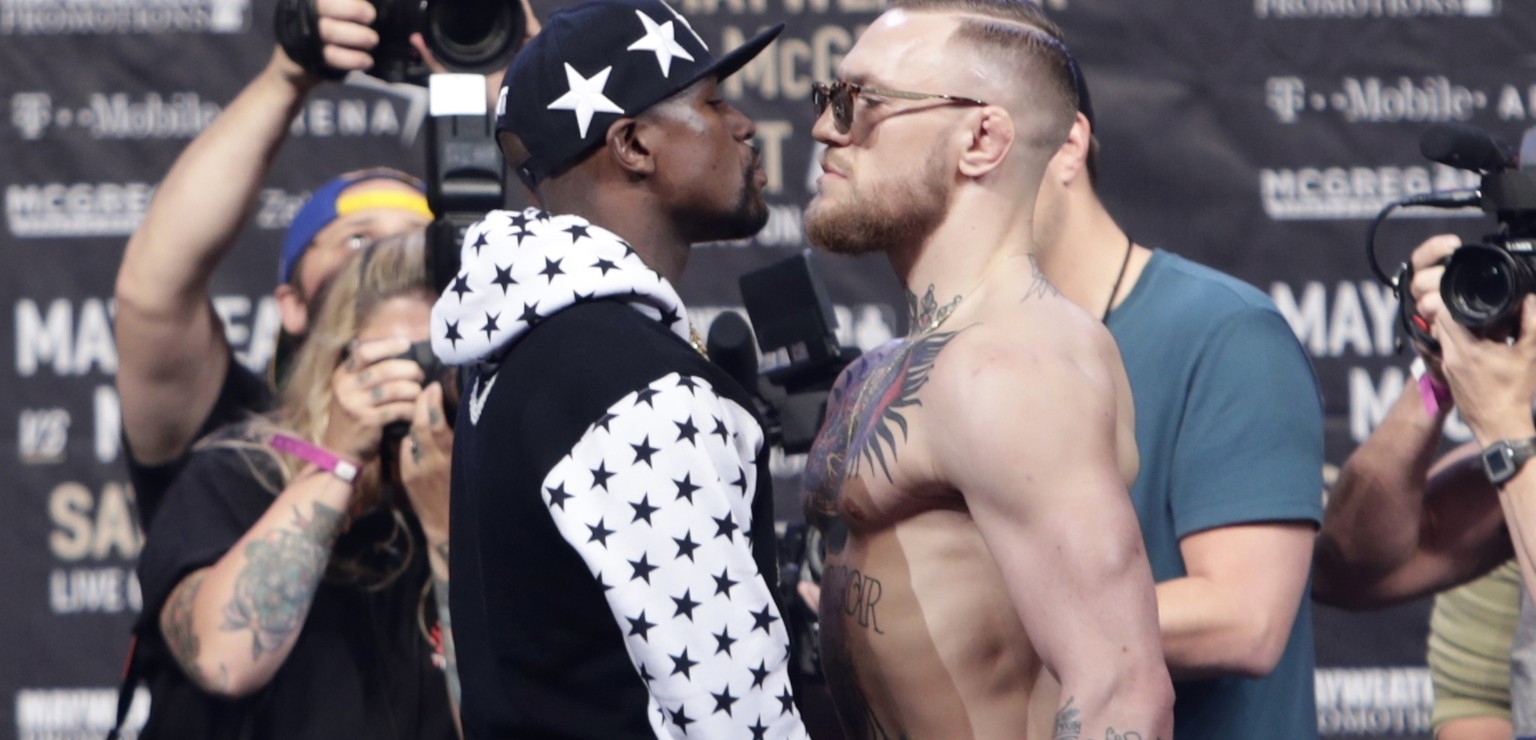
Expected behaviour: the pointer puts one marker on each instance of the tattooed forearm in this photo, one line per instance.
(1069, 725)
(445, 621)
(177, 629)
(273, 591)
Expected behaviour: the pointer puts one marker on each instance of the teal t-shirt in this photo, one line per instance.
(1230, 430)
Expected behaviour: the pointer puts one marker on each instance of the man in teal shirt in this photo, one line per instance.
(1229, 428)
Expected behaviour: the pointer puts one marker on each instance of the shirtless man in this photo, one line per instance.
(985, 574)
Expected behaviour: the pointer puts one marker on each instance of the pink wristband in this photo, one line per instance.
(1434, 393)
(321, 457)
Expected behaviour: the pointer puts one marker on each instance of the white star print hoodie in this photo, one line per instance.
(613, 562)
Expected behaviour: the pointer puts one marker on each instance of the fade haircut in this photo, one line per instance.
(1004, 35)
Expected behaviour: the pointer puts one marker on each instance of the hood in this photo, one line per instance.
(519, 268)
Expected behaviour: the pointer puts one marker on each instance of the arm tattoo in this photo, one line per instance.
(925, 314)
(177, 629)
(1068, 724)
(1040, 286)
(445, 620)
(274, 590)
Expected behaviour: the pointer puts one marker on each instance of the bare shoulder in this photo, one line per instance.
(1044, 345)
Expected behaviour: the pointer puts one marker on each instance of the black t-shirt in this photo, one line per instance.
(361, 667)
(242, 394)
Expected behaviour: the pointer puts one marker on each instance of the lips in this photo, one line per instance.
(828, 168)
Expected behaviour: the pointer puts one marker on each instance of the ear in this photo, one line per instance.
(1071, 161)
(292, 310)
(991, 138)
(630, 143)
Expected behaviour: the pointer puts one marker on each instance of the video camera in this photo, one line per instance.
(475, 36)
(1484, 282)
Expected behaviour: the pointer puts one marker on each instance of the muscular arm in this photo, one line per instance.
(170, 343)
(1398, 529)
(1233, 613)
(171, 347)
(231, 625)
(1029, 436)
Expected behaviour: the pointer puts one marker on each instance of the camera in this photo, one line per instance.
(477, 36)
(432, 369)
(1485, 282)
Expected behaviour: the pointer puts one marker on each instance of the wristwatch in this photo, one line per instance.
(1504, 458)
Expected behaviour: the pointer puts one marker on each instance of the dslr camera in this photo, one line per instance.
(1485, 282)
(474, 36)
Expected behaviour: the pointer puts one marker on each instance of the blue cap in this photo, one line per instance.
(325, 205)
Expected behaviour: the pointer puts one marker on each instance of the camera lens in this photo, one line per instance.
(475, 35)
(1483, 285)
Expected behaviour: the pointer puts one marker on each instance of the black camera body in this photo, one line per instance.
(432, 369)
(477, 36)
(1484, 283)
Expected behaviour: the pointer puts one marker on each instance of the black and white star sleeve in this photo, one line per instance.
(659, 504)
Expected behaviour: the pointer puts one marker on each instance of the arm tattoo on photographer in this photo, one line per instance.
(445, 621)
(176, 627)
(274, 590)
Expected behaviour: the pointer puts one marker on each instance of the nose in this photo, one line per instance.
(744, 127)
(824, 131)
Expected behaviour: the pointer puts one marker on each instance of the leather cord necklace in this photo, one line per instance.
(1110, 304)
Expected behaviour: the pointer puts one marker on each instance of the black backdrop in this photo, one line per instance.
(1257, 136)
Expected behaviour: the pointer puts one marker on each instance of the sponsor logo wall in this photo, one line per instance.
(1257, 137)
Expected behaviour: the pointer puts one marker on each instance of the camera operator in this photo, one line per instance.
(1400, 524)
(176, 376)
(288, 574)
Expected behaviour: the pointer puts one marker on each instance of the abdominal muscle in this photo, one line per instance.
(920, 638)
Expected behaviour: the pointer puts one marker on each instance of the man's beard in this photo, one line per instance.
(744, 220)
(905, 216)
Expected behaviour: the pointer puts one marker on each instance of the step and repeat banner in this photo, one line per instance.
(1257, 136)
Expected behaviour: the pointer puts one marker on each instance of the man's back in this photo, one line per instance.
(919, 623)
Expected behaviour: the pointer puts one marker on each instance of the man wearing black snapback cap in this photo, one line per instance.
(612, 524)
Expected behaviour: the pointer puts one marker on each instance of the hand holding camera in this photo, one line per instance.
(371, 389)
(1492, 378)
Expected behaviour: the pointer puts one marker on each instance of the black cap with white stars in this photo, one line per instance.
(594, 63)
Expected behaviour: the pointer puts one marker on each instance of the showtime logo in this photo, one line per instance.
(1335, 193)
(1374, 8)
(75, 209)
(102, 17)
(60, 713)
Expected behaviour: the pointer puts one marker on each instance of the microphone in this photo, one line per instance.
(1465, 148)
(731, 348)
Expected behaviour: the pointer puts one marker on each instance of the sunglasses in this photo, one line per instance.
(840, 95)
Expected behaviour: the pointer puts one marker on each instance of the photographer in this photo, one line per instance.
(177, 378)
(1401, 525)
(289, 570)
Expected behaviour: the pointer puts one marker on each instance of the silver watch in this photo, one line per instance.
(1504, 458)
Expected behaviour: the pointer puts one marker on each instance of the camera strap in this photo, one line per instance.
(1410, 323)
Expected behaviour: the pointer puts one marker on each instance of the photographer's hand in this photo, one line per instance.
(370, 390)
(1493, 381)
(1428, 267)
(425, 462)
